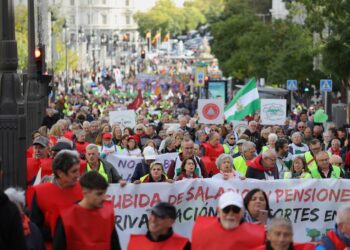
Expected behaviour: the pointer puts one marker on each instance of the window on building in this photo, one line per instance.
(127, 20)
(127, 2)
(116, 19)
(72, 19)
(89, 20)
(90, 2)
(72, 2)
(104, 1)
(104, 19)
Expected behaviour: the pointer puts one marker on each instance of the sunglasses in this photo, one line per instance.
(232, 208)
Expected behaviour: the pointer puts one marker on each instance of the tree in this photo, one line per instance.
(211, 9)
(313, 234)
(21, 28)
(330, 21)
(168, 18)
(278, 51)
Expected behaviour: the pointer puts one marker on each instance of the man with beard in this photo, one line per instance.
(253, 134)
(284, 157)
(160, 234)
(227, 232)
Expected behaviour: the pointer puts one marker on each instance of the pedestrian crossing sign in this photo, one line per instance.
(292, 85)
(326, 85)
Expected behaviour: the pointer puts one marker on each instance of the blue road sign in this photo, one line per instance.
(326, 85)
(292, 84)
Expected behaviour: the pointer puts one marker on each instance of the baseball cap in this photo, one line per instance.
(230, 198)
(164, 210)
(41, 140)
(61, 146)
(107, 136)
(149, 153)
(241, 141)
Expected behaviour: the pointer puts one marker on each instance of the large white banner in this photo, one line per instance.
(311, 205)
(125, 118)
(126, 165)
(273, 111)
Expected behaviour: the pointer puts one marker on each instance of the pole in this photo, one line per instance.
(291, 100)
(52, 59)
(32, 92)
(325, 102)
(65, 41)
(12, 106)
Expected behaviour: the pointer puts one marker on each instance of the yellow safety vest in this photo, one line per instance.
(315, 174)
(240, 165)
(304, 176)
(311, 161)
(101, 170)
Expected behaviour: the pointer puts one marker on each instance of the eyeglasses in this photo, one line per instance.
(231, 138)
(139, 129)
(315, 149)
(325, 159)
(232, 208)
(273, 160)
(301, 127)
(338, 163)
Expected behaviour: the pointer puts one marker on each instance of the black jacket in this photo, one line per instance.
(11, 230)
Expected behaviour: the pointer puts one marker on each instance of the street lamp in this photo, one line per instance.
(65, 27)
(80, 40)
(53, 19)
(93, 37)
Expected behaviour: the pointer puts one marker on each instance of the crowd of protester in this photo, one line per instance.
(76, 139)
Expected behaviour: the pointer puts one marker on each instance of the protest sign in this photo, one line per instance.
(273, 111)
(211, 111)
(239, 126)
(125, 118)
(126, 165)
(311, 205)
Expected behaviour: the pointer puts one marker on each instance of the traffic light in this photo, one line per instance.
(143, 54)
(39, 56)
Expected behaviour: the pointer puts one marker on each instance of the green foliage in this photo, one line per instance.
(330, 20)
(236, 7)
(313, 234)
(168, 18)
(21, 28)
(211, 9)
(246, 47)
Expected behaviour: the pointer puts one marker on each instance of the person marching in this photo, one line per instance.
(89, 224)
(160, 233)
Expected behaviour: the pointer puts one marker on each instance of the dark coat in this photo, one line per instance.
(11, 230)
(257, 171)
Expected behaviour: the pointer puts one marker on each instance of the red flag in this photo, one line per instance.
(137, 102)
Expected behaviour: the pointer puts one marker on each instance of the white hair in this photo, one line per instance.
(296, 134)
(16, 195)
(247, 145)
(272, 137)
(343, 214)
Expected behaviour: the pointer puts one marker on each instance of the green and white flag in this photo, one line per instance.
(245, 102)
